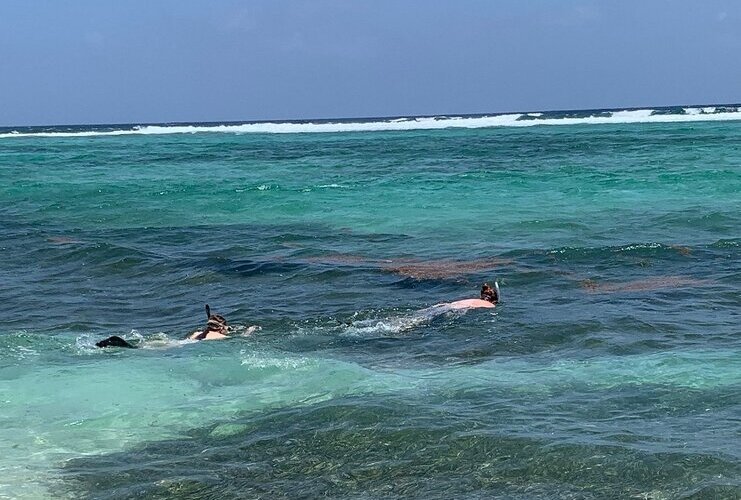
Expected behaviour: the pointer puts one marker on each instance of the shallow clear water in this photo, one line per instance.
(611, 368)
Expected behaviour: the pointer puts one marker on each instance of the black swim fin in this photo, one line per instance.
(114, 341)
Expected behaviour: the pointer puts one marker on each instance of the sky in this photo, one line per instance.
(152, 61)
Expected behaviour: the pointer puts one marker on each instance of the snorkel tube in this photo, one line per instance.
(203, 334)
(499, 294)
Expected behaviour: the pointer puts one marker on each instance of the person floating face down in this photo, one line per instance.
(216, 328)
(489, 297)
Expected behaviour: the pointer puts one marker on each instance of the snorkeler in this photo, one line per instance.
(216, 328)
(489, 297)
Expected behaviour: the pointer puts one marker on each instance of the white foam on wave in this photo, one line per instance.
(690, 114)
(708, 110)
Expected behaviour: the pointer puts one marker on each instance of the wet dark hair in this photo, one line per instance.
(214, 318)
(489, 294)
(217, 318)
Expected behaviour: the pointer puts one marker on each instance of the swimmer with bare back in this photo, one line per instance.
(489, 297)
(216, 329)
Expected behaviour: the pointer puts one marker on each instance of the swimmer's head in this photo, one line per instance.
(216, 322)
(489, 294)
(218, 318)
(214, 325)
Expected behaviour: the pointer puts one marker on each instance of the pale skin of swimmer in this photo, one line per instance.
(216, 328)
(211, 335)
(486, 292)
(217, 334)
(470, 304)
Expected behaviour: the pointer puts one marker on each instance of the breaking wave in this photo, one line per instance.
(591, 117)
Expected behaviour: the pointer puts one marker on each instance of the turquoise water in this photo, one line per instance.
(612, 368)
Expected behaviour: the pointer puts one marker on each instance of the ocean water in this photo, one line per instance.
(611, 368)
